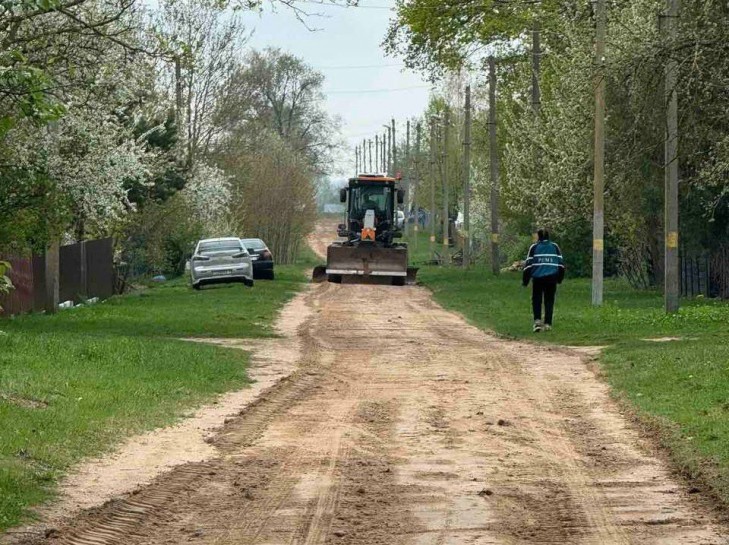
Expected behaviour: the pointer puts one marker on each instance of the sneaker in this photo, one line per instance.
(537, 326)
(547, 327)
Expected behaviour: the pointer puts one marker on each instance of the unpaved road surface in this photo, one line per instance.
(404, 425)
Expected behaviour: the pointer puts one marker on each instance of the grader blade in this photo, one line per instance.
(367, 261)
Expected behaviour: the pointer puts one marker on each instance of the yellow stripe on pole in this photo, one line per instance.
(495, 238)
(672, 240)
(432, 238)
(598, 244)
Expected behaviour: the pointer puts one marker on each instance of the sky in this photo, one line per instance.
(363, 86)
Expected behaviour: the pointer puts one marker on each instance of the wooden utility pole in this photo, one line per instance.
(407, 176)
(384, 153)
(671, 157)
(356, 160)
(363, 166)
(467, 181)
(494, 164)
(598, 227)
(431, 162)
(444, 163)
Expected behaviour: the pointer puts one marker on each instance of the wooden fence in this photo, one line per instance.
(86, 270)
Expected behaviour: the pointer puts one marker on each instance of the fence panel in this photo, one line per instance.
(39, 283)
(70, 282)
(20, 299)
(100, 268)
(85, 270)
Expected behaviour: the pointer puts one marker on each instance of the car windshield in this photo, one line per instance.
(254, 244)
(216, 246)
(370, 197)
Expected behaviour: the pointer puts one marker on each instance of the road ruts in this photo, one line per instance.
(403, 425)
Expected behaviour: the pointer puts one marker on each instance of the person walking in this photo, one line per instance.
(545, 268)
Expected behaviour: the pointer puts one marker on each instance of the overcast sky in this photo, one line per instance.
(363, 86)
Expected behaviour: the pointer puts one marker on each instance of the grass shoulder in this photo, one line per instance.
(74, 384)
(679, 387)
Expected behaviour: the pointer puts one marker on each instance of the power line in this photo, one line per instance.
(344, 6)
(368, 91)
(360, 67)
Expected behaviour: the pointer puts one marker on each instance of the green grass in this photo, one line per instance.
(74, 384)
(680, 387)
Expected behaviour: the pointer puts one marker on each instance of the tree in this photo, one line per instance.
(277, 91)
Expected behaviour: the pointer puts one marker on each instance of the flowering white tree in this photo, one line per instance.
(208, 192)
(93, 160)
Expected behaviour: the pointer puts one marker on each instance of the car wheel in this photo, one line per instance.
(248, 282)
(196, 287)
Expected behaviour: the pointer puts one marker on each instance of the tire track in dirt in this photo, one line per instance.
(403, 425)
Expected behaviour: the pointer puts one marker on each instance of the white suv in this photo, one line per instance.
(220, 260)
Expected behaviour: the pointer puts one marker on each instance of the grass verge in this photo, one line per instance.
(74, 384)
(681, 387)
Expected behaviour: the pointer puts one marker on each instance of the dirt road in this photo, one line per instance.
(404, 425)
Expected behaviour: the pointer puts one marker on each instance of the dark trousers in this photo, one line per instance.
(544, 288)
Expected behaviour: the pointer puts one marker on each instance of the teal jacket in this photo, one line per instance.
(544, 260)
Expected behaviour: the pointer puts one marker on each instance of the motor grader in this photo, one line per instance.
(367, 251)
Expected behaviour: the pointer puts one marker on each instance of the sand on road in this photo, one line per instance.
(402, 424)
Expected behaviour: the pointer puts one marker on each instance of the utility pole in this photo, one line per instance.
(536, 69)
(444, 162)
(494, 164)
(389, 150)
(416, 225)
(178, 94)
(394, 150)
(432, 187)
(384, 153)
(363, 166)
(51, 261)
(356, 160)
(377, 151)
(407, 176)
(536, 101)
(671, 272)
(467, 181)
(369, 155)
(598, 228)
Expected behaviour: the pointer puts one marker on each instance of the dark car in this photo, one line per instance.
(261, 256)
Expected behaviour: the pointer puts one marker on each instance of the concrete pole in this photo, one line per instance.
(369, 155)
(52, 273)
(494, 164)
(467, 181)
(413, 192)
(389, 151)
(384, 153)
(377, 151)
(536, 100)
(431, 162)
(444, 161)
(407, 176)
(363, 166)
(394, 150)
(671, 157)
(598, 228)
